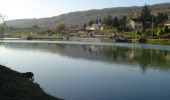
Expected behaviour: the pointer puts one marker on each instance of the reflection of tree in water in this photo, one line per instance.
(145, 58)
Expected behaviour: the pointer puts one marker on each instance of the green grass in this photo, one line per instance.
(155, 41)
(11, 35)
(43, 36)
(15, 86)
(25, 35)
(159, 41)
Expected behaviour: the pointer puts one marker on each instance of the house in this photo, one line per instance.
(96, 25)
(168, 24)
(134, 21)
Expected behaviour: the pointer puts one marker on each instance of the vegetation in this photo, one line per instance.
(116, 23)
(160, 19)
(2, 25)
(108, 21)
(44, 34)
(16, 86)
(59, 27)
(146, 17)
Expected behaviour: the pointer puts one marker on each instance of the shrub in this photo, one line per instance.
(166, 29)
(143, 30)
(159, 32)
(148, 32)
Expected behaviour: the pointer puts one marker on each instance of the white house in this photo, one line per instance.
(135, 21)
(96, 26)
(167, 24)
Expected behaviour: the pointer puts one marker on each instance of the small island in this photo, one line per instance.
(17, 86)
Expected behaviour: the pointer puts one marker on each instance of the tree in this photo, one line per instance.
(123, 21)
(84, 26)
(97, 21)
(116, 23)
(161, 18)
(90, 23)
(108, 21)
(166, 16)
(35, 27)
(159, 32)
(166, 29)
(100, 21)
(146, 16)
(3, 26)
(59, 27)
(46, 31)
(143, 30)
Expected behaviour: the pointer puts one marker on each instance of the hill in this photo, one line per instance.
(81, 17)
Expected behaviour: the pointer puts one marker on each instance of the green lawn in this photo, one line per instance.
(159, 41)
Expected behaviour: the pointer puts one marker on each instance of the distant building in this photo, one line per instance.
(167, 24)
(96, 25)
(135, 21)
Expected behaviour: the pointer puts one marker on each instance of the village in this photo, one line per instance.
(140, 27)
(97, 31)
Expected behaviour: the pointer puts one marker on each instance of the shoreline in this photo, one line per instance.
(104, 40)
(17, 86)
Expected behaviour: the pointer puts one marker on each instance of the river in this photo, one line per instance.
(93, 70)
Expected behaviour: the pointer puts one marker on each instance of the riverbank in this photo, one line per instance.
(155, 41)
(16, 86)
(149, 41)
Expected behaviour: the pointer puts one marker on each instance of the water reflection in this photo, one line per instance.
(145, 58)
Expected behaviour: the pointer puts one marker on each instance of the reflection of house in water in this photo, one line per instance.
(95, 48)
(132, 53)
(135, 21)
(168, 57)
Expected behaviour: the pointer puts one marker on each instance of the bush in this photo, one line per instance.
(25, 33)
(143, 30)
(159, 32)
(148, 32)
(46, 31)
(59, 27)
(166, 29)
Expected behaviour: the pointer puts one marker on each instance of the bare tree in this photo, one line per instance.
(3, 26)
(59, 27)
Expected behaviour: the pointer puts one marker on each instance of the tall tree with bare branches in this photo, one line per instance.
(3, 26)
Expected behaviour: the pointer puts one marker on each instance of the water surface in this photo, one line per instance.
(93, 71)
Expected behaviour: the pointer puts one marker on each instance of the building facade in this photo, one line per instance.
(135, 21)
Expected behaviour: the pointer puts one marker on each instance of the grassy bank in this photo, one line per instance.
(164, 39)
(154, 41)
(159, 41)
(26, 35)
(44, 36)
(16, 86)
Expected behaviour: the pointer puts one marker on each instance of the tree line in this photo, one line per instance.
(147, 20)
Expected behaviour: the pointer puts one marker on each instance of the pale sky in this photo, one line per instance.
(21, 9)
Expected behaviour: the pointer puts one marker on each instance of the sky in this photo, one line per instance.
(23, 9)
